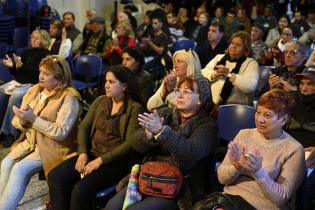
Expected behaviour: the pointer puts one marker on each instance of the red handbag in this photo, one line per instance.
(160, 179)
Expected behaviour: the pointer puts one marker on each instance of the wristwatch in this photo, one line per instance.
(229, 75)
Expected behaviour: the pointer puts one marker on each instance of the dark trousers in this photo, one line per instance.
(66, 188)
(147, 203)
(307, 197)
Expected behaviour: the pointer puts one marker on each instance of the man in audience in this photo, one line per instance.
(283, 77)
(90, 14)
(215, 44)
(95, 40)
(230, 24)
(300, 23)
(311, 17)
(176, 29)
(154, 48)
(267, 20)
(301, 126)
(73, 33)
(258, 45)
(308, 38)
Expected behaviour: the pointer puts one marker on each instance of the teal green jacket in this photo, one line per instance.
(128, 125)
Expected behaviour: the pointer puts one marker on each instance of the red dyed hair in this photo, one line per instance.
(278, 101)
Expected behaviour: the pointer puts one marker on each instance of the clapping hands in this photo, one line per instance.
(244, 160)
(152, 122)
(25, 115)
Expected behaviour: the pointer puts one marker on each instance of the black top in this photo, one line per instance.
(29, 72)
(206, 53)
(72, 32)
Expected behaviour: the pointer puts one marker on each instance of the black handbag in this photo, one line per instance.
(213, 201)
(222, 200)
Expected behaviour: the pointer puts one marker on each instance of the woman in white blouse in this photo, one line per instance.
(233, 75)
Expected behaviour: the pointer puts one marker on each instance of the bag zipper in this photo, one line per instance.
(150, 177)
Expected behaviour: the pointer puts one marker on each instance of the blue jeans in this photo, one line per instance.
(7, 127)
(14, 179)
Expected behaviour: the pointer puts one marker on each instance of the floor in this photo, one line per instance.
(36, 194)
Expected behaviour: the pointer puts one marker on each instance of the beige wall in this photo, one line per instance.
(103, 7)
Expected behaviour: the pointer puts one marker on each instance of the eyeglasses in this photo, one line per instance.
(290, 52)
(183, 92)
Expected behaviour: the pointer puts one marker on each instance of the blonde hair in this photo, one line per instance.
(44, 37)
(60, 68)
(127, 26)
(192, 60)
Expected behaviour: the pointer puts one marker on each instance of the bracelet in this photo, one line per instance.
(156, 136)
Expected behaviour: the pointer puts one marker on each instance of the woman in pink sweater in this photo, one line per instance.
(265, 165)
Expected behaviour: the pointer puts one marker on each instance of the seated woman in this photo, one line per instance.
(125, 38)
(234, 75)
(301, 126)
(60, 44)
(274, 34)
(104, 145)
(264, 166)
(287, 35)
(184, 135)
(25, 70)
(186, 62)
(133, 59)
(47, 118)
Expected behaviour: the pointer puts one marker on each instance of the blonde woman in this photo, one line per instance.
(47, 118)
(125, 38)
(25, 70)
(185, 63)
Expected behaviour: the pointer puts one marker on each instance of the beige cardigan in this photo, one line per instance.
(51, 137)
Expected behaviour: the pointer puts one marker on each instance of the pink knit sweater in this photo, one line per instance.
(275, 184)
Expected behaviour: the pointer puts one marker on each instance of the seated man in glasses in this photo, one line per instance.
(283, 77)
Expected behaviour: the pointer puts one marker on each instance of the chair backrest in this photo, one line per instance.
(263, 76)
(184, 44)
(35, 5)
(21, 37)
(16, 7)
(3, 50)
(7, 24)
(234, 117)
(88, 66)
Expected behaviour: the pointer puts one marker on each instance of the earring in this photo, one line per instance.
(198, 103)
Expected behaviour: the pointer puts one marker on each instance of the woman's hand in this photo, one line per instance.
(310, 161)
(63, 34)
(151, 121)
(92, 166)
(18, 61)
(7, 61)
(221, 70)
(235, 154)
(252, 162)
(169, 84)
(25, 115)
(81, 162)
